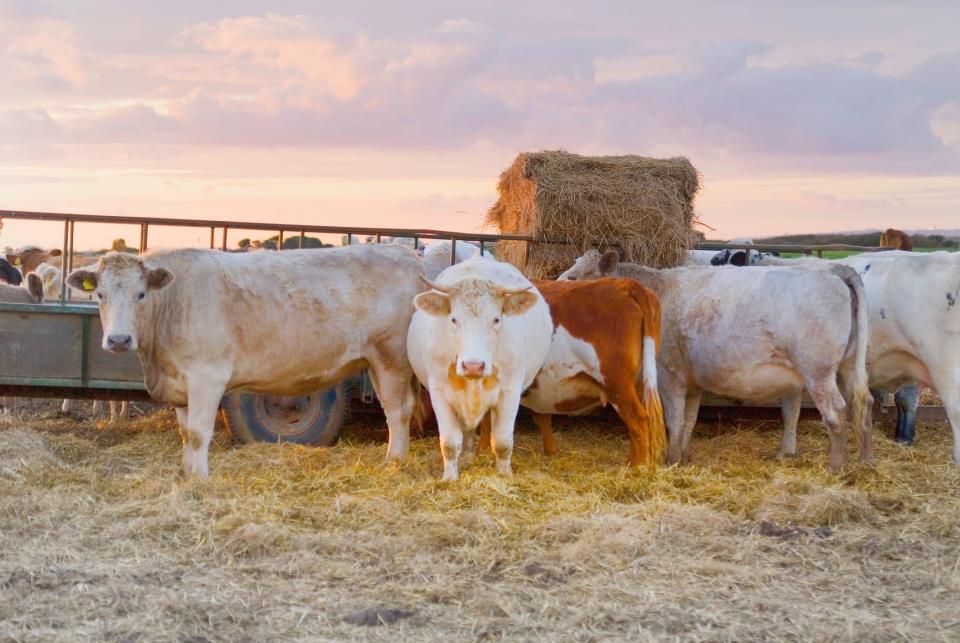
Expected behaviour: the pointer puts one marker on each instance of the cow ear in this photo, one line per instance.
(55, 252)
(82, 280)
(609, 262)
(158, 278)
(35, 287)
(433, 303)
(518, 303)
(12, 259)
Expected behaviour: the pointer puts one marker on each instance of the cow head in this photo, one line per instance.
(474, 310)
(27, 258)
(592, 265)
(123, 284)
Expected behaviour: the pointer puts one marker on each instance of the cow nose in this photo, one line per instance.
(119, 342)
(472, 368)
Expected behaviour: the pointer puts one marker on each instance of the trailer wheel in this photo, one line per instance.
(313, 419)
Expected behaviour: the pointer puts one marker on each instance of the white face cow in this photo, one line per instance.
(475, 309)
(122, 283)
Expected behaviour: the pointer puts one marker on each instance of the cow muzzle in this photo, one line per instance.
(119, 343)
(473, 368)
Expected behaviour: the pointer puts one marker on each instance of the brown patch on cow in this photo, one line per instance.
(577, 404)
(471, 390)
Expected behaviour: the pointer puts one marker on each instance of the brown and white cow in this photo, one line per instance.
(205, 323)
(604, 349)
(805, 328)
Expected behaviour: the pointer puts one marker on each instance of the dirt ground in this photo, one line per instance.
(100, 539)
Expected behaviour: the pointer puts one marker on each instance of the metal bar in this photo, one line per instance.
(206, 223)
(481, 247)
(301, 239)
(145, 243)
(280, 241)
(67, 262)
(416, 241)
(349, 238)
(212, 235)
(97, 390)
(378, 237)
(453, 250)
(84, 350)
(223, 246)
(63, 263)
(526, 256)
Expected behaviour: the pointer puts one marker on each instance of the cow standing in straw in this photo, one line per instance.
(780, 347)
(205, 323)
(477, 340)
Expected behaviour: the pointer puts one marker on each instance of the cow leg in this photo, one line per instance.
(394, 388)
(631, 411)
(67, 407)
(691, 409)
(790, 407)
(673, 396)
(8, 404)
(182, 414)
(502, 419)
(544, 422)
(833, 408)
(906, 398)
(119, 411)
(97, 408)
(203, 401)
(451, 436)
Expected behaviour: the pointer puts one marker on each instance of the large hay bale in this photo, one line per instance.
(642, 206)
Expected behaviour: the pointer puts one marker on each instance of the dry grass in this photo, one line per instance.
(99, 539)
(643, 206)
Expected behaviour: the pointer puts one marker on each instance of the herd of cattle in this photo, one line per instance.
(484, 340)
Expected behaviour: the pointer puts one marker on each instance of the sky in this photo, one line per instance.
(801, 117)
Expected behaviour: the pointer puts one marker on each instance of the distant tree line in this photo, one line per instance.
(863, 239)
(289, 243)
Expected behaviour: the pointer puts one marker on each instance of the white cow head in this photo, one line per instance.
(122, 283)
(592, 265)
(474, 309)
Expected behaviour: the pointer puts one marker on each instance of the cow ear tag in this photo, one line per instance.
(89, 285)
(16, 261)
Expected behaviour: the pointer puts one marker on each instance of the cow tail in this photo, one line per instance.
(862, 403)
(651, 395)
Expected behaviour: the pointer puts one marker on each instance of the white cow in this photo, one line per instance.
(914, 304)
(700, 257)
(476, 341)
(205, 323)
(436, 256)
(805, 328)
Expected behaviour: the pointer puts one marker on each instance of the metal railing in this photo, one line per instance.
(70, 220)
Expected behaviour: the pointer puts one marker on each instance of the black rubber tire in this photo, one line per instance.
(249, 418)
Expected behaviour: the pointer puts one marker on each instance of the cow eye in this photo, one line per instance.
(453, 320)
(141, 296)
(496, 320)
(100, 296)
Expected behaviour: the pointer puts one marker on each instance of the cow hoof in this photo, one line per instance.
(904, 443)
(786, 456)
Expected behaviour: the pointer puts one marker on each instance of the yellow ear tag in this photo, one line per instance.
(89, 285)
(16, 261)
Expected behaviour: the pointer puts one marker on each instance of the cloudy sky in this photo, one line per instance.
(802, 117)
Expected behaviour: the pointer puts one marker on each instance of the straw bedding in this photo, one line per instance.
(99, 539)
(641, 205)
